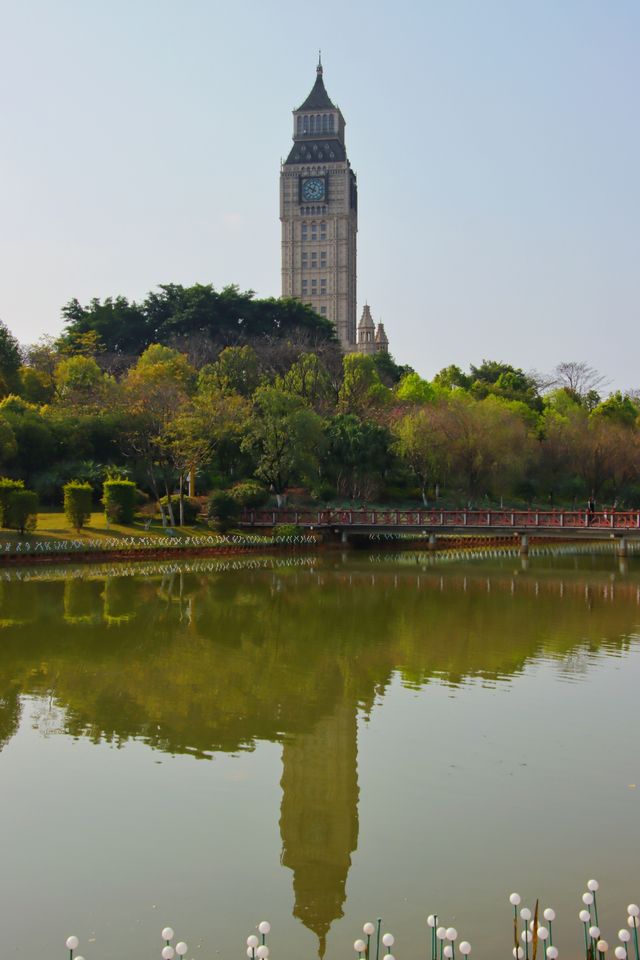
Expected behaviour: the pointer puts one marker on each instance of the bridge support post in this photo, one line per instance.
(524, 544)
(433, 541)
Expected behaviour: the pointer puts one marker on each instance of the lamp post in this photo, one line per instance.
(584, 916)
(550, 915)
(432, 922)
(368, 930)
(71, 945)
(592, 887)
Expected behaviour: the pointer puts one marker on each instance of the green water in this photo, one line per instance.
(317, 741)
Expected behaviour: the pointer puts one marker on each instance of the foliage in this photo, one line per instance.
(173, 313)
(78, 499)
(235, 371)
(361, 391)
(21, 511)
(7, 487)
(413, 389)
(283, 531)
(249, 494)
(190, 509)
(119, 499)
(224, 509)
(358, 455)
(9, 361)
(286, 437)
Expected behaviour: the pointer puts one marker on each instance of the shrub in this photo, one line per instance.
(223, 508)
(21, 511)
(282, 530)
(77, 503)
(191, 508)
(249, 494)
(119, 499)
(7, 486)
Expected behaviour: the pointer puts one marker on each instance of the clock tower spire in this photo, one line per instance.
(319, 214)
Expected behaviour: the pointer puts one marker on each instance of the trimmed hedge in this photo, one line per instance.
(78, 499)
(21, 511)
(7, 486)
(119, 499)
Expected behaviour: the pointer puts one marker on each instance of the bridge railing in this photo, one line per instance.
(474, 519)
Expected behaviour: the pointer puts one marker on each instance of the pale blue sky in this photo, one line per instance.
(496, 143)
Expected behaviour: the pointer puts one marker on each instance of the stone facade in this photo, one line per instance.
(319, 215)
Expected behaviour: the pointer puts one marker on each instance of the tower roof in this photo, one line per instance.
(318, 99)
(366, 320)
(381, 336)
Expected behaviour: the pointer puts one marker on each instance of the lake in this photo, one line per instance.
(318, 740)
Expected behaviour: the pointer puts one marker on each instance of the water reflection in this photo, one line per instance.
(196, 663)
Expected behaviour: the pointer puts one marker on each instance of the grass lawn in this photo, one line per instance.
(54, 526)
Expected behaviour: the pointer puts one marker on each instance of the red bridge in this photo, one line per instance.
(563, 524)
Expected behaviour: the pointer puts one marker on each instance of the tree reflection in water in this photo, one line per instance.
(195, 663)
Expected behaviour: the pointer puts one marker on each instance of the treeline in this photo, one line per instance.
(255, 395)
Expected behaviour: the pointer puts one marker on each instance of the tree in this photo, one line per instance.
(489, 444)
(235, 371)
(412, 389)
(362, 391)
(10, 361)
(155, 392)
(79, 381)
(308, 379)
(452, 378)
(358, 455)
(8, 445)
(578, 378)
(35, 440)
(286, 438)
(200, 426)
(423, 445)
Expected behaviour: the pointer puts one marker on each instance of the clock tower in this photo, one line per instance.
(319, 214)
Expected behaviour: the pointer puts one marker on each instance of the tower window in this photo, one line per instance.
(304, 287)
(304, 231)
(304, 260)
(323, 258)
(314, 231)
(323, 231)
(323, 285)
(299, 125)
(314, 259)
(323, 311)
(314, 285)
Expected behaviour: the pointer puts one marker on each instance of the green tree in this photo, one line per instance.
(10, 361)
(358, 455)
(309, 379)
(423, 445)
(362, 391)
(235, 371)
(286, 438)
(412, 389)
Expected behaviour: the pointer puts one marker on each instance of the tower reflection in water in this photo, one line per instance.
(196, 663)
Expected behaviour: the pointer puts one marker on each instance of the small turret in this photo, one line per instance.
(382, 340)
(366, 332)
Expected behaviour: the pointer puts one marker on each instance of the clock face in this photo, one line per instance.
(313, 188)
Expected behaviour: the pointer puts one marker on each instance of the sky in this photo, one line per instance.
(496, 145)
